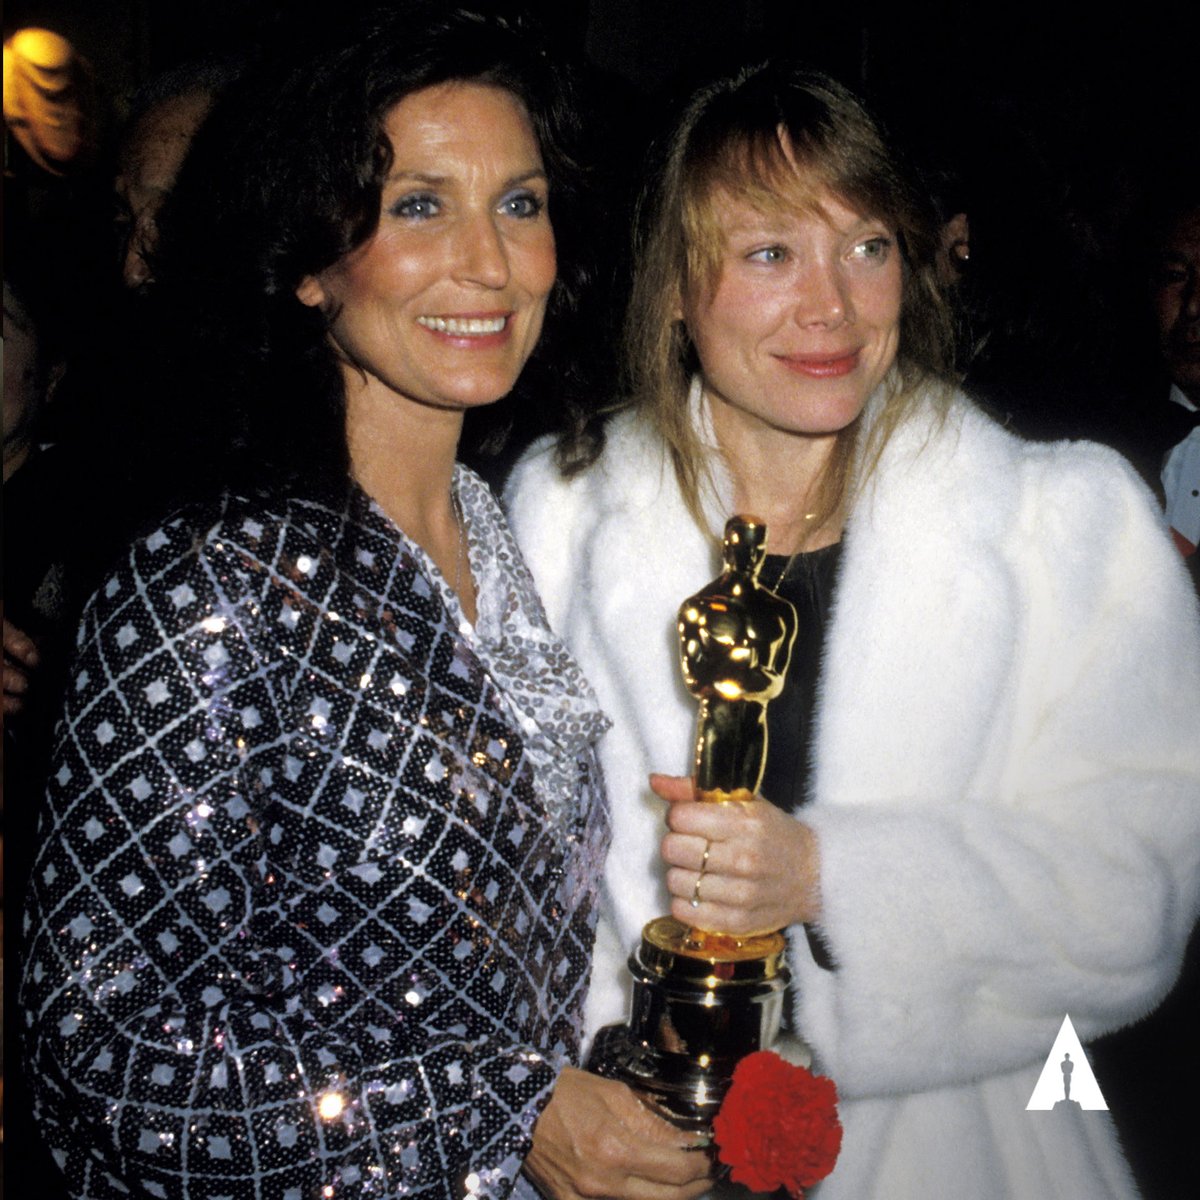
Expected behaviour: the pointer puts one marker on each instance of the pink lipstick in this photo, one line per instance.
(821, 368)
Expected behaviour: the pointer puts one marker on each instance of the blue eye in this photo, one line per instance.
(768, 254)
(416, 206)
(874, 249)
(523, 205)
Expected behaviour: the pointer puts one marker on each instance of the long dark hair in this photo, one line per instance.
(283, 181)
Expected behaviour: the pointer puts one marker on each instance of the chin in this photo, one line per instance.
(480, 398)
(836, 416)
(476, 390)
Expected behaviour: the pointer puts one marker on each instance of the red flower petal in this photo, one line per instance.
(778, 1125)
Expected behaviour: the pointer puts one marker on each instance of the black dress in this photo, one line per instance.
(808, 580)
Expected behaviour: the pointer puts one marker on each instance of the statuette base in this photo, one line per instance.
(694, 1015)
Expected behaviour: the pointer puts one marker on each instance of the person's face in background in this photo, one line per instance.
(22, 381)
(1176, 298)
(29, 376)
(150, 159)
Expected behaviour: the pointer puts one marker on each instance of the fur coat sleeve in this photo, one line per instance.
(1006, 786)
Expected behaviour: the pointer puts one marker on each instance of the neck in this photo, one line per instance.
(758, 458)
(402, 455)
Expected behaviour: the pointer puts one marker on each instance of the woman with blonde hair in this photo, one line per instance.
(981, 805)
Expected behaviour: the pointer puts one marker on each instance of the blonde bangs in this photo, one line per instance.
(765, 171)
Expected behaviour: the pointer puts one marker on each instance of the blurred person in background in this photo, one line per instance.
(1176, 299)
(163, 119)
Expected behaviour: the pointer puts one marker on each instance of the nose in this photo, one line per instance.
(482, 257)
(823, 298)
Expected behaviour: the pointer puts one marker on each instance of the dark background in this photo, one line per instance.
(1108, 94)
(1086, 79)
(1062, 125)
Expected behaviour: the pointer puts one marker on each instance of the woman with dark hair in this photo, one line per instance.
(314, 909)
(981, 804)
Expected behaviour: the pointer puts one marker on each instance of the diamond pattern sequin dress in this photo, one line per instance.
(314, 909)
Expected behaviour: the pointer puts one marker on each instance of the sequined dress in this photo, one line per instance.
(314, 910)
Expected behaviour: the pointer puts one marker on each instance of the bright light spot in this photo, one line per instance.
(365, 681)
(472, 1181)
(728, 689)
(413, 997)
(330, 1106)
(213, 624)
(704, 1060)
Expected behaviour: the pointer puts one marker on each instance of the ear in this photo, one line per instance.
(956, 237)
(310, 292)
(677, 308)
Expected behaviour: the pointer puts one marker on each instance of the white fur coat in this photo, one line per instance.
(1006, 786)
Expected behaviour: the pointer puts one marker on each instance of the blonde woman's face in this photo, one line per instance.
(803, 321)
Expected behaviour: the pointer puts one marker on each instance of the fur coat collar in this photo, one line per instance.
(1006, 783)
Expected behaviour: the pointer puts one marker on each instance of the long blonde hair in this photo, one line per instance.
(778, 136)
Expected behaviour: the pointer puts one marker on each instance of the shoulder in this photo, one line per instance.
(534, 476)
(955, 452)
(1063, 489)
(629, 476)
(631, 448)
(596, 531)
(241, 533)
(210, 555)
(1092, 521)
(1076, 511)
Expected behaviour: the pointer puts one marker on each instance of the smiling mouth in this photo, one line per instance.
(464, 326)
(822, 368)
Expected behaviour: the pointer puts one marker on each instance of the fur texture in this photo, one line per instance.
(1006, 785)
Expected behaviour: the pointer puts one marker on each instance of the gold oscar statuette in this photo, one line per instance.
(702, 1000)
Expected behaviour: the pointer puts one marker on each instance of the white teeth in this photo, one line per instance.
(464, 326)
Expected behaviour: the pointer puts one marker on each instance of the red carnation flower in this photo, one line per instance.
(778, 1125)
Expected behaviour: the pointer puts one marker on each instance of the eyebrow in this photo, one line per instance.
(441, 180)
(771, 224)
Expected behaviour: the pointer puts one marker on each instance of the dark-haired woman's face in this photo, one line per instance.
(444, 303)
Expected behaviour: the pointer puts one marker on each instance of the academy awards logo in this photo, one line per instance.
(1067, 1080)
